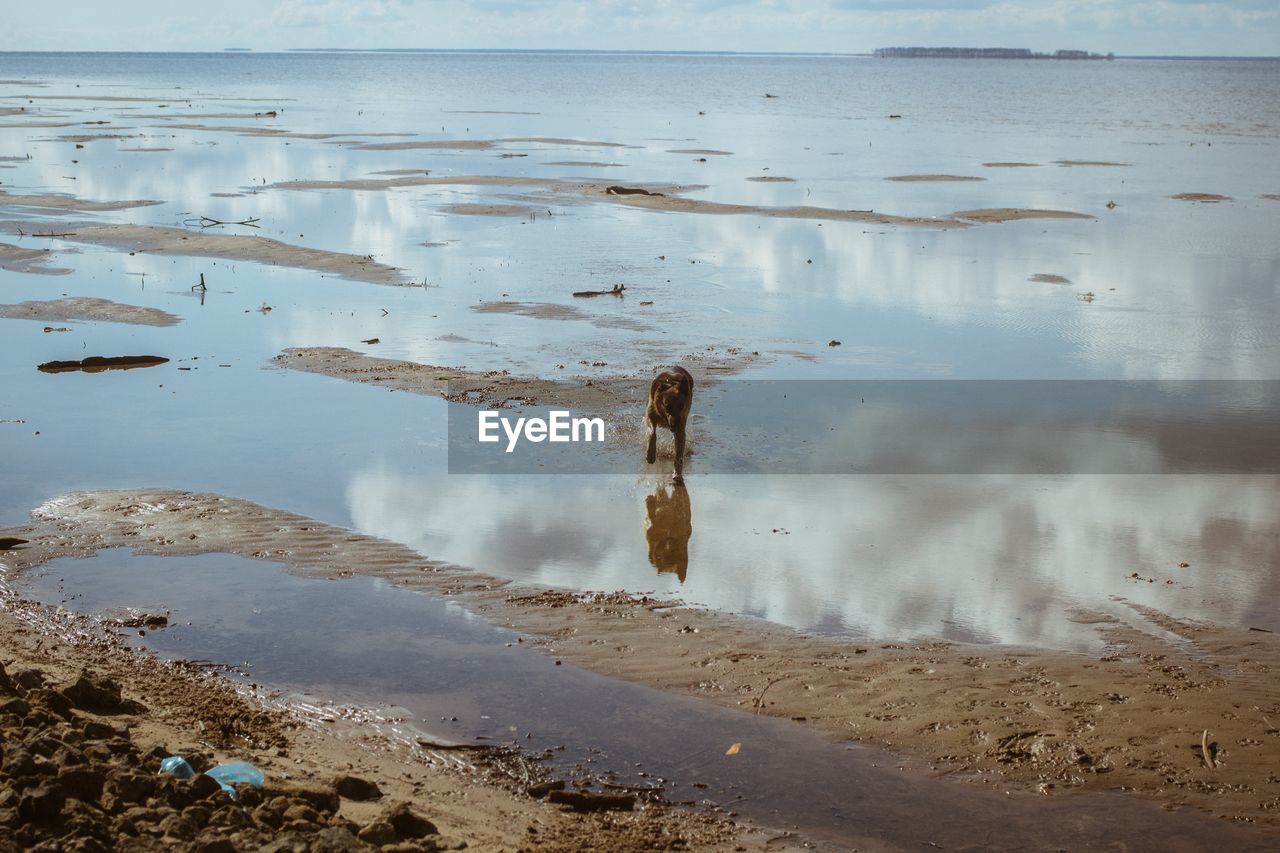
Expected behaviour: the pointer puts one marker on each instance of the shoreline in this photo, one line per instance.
(1032, 719)
(474, 798)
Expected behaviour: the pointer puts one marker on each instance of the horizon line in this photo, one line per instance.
(571, 50)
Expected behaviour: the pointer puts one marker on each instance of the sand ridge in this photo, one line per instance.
(70, 202)
(88, 308)
(17, 259)
(160, 239)
(933, 178)
(1207, 198)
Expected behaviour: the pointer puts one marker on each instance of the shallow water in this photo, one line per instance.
(1158, 289)
(447, 673)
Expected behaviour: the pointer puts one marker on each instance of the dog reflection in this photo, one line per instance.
(668, 526)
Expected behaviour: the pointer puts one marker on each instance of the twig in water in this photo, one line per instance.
(201, 286)
(617, 290)
(210, 222)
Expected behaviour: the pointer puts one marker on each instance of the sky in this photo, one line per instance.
(1133, 27)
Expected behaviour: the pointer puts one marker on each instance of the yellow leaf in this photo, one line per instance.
(733, 750)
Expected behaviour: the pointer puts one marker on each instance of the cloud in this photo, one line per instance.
(328, 13)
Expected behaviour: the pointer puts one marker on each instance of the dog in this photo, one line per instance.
(668, 527)
(670, 398)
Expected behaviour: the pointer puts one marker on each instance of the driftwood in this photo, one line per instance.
(96, 363)
(616, 291)
(616, 190)
(585, 801)
(8, 542)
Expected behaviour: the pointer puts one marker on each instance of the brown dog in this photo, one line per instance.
(670, 398)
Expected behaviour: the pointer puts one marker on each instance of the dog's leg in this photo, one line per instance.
(679, 478)
(652, 454)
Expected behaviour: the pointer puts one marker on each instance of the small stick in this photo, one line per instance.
(760, 698)
(1204, 749)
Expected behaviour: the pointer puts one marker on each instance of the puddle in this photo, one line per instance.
(360, 640)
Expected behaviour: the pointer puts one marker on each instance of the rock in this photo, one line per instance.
(51, 701)
(93, 692)
(247, 795)
(301, 811)
(585, 801)
(213, 844)
(337, 840)
(199, 815)
(355, 788)
(18, 762)
(87, 844)
(42, 803)
(378, 833)
(267, 816)
(27, 679)
(83, 783)
(129, 786)
(541, 789)
(321, 797)
(408, 823)
(95, 730)
(202, 786)
(178, 826)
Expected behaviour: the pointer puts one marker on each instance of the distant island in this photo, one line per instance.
(982, 53)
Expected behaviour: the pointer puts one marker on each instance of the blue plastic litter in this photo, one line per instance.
(177, 767)
(236, 773)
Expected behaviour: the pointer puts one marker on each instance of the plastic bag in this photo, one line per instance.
(177, 767)
(236, 773)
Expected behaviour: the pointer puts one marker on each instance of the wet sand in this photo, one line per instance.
(914, 178)
(157, 239)
(137, 709)
(17, 259)
(771, 179)
(555, 311)
(87, 308)
(70, 202)
(1209, 198)
(417, 178)
(251, 130)
(1009, 164)
(1131, 719)
(1009, 214)
(475, 386)
(489, 386)
(489, 210)
(1049, 278)
(667, 197)
(1089, 163)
